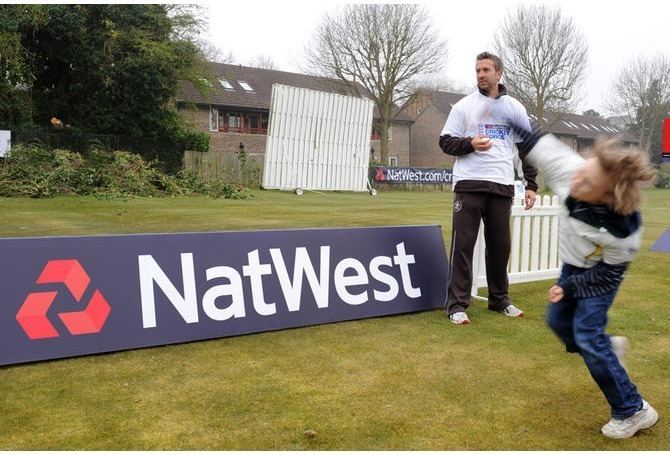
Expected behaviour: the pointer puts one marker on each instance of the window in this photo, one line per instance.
(226, 85)
(234, 121)
(390, 133)
(393, 161)
(245, 86)
(243, 122)
(253, 123)
(213, 119)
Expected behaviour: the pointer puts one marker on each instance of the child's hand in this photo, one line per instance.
(555, 294)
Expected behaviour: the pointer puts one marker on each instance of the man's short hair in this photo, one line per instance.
(497, 62)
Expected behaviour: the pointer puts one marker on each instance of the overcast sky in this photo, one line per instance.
(615, 31)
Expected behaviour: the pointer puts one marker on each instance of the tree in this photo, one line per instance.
(592, 113)
(15, 64)
(641, 90)
(263, 61)
(379, 48)
(212, 53)
(545, 56)
(436, 82)
(110, 69)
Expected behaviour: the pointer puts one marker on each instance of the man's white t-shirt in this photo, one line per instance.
(477, 114)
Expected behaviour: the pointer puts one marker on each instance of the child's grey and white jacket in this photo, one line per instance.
(591, 237)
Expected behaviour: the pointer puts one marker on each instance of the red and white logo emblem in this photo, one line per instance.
(32, 316)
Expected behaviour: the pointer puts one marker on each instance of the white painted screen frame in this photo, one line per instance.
(317, 141)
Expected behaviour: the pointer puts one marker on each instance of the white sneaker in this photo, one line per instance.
(512, 311)
(620, 347)
(459, 317)
(625, 428)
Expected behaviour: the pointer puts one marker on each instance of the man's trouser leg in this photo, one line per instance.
(465, 227)
(497, 235)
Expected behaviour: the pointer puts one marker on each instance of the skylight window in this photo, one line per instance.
(585, 126)
(226, 85)
(567, 124)
(205, 81)
(245, 86)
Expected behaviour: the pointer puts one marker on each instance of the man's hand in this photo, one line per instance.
(555, 294)
(530, 199)
(481, 143)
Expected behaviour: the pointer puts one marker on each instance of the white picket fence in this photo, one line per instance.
(534, 254)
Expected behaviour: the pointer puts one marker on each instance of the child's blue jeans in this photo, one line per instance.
(580, 323)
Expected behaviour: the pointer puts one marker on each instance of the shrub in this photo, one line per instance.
(32, 171)
(195, 140)
(662, 180)
(28, 171)
(123, 174)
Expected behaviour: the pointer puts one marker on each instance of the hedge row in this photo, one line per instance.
(33, 171)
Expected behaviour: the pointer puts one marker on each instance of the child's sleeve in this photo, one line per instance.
(598, 280)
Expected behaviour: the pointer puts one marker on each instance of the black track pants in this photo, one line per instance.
(469, 210)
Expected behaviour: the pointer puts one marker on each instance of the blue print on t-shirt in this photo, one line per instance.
(494, 131)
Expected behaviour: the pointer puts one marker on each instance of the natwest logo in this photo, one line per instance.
(32, 316)
(355, 283)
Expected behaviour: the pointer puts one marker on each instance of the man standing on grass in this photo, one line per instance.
(478, 134)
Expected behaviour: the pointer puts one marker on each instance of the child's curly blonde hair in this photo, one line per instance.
(629, 169)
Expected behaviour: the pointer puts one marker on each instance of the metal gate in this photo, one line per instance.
(317, 141)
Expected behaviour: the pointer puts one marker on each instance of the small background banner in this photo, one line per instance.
(662, 244)
(71, 296)
(5, 142)
(411, 175)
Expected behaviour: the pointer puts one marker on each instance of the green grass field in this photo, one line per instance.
(408, 382)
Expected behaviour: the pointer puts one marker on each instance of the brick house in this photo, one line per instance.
(430, 110)
(235, 104)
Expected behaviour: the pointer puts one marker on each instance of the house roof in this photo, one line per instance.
(260, 81)
(581, 126)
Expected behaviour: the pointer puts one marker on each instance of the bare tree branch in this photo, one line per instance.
(382, 48)
(545, 57)
(641, 91)
(213, 53)
(263, 61)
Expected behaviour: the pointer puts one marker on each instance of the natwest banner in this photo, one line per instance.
(411, 175)
(70, 296)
